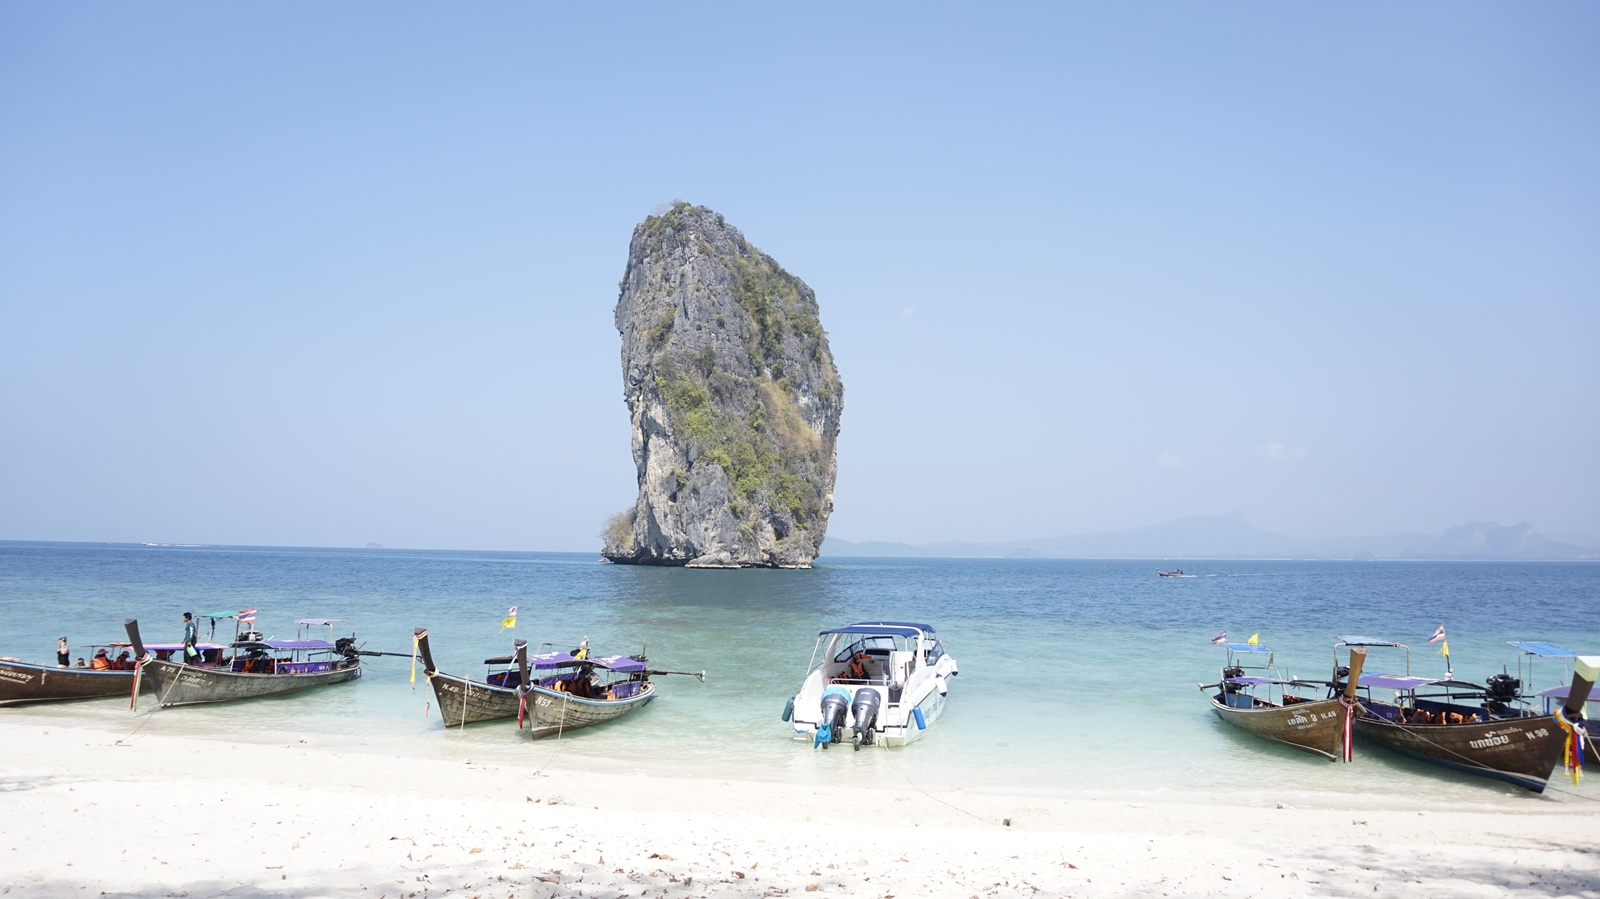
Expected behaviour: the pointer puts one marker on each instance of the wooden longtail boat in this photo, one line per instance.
(1468, 727)
(1531, 651)
(25, 682)
(257, 668)
(465, 701)
(583, 691)
(1320, 725)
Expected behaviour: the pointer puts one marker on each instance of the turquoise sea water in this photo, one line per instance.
(1076, 676)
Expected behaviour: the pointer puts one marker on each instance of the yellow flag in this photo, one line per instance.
(510, 620)
(1444, 649)
(1255, 640)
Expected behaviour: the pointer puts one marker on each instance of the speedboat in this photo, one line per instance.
(879, 683)
(1176, 572)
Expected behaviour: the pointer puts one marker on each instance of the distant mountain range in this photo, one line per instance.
(1231, 537)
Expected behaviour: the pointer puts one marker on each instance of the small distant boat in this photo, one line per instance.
(465, 701)
(1176, 572)
(582, 690)
(257, 667)
(1482, 729)
(879, 683)
(1318, 724)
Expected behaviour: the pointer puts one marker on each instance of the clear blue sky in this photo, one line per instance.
(330, 273)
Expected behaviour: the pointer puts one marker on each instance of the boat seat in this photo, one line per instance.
(1240, 701)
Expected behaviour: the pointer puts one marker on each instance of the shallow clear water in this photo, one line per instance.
(1076, 676)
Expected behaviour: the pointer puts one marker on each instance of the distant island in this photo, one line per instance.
(733, 397)
(1231, 537)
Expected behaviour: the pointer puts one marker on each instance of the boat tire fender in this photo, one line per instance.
(788, 709)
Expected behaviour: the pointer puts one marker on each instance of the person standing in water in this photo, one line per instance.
(191, 636)
(63, 656)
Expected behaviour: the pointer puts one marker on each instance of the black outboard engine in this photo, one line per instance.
(346, 646)
(865, 710)
(835, 702)
(1231, 671)
(1500, 691)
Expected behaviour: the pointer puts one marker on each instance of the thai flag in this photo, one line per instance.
(247, 616)
(1437, 635)
(1220, 638)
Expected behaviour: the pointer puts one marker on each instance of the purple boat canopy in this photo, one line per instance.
(550, 660)
(164, 647)
(318, 622)
(1396, 681)
(1254, 681)
(566, 660)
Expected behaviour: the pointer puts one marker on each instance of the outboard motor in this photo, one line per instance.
(346, 646)
(835, 702)
(1231, 671)
(1501, 690)
(865, 711)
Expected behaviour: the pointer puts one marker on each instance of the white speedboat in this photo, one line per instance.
(879, 683)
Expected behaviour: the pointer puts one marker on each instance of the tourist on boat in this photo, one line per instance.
(102, 661)
(191, 636)
(63, 655)
(124, 662)
(81, 663)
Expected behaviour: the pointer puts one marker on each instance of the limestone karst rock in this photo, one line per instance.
(734, 397)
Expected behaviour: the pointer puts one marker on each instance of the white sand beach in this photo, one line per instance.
(90, 812)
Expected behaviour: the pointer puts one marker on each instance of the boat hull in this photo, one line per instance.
(1521, 751)
(1316, 726)
(23, 682)
(550, 712)
(176, 684)
(464, 701)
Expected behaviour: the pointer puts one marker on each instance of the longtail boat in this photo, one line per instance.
(1481, 729)
(1531, 651)
(464, 701)
(1320, 725)
(582, 690)
(26, 682)
(256, 668)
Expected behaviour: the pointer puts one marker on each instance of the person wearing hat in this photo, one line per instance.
(63, 656)
(101, 662)
(124, 662)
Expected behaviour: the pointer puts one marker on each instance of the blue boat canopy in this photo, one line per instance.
(1368, 641)
(1542, 649)
(1247, 647)
(1396, 681)
(885, 629)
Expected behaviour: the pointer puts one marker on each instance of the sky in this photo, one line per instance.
(325, 274)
